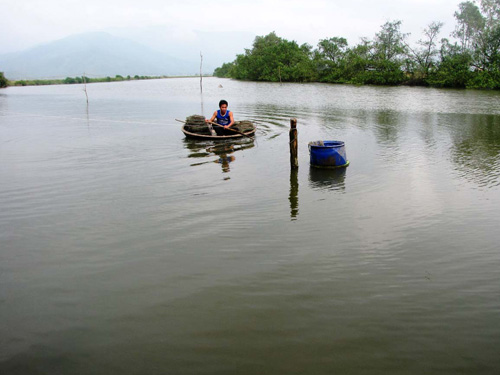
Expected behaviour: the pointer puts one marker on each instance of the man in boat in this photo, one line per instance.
(223, 117)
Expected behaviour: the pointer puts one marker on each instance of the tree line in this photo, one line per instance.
(73, 80)
(472, 60)
(3, 80)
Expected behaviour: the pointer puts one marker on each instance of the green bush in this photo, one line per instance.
(3, 80)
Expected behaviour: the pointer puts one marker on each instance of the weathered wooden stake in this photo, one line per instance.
(294, 156)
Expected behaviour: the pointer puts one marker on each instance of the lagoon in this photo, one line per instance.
(126, 249)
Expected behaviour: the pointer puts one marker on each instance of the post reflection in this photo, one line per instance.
(327, 179)
(294, 193)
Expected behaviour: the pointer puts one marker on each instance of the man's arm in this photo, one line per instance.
(213, 117)
(232, 119)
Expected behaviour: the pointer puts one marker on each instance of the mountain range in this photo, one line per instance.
(101, 54)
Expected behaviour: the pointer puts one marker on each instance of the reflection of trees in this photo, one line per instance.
(275, 115)
(222, 149)
(387, 123)
(428, 122)
(336, 119)
(327, 179)
(476, 149)
(387, 127)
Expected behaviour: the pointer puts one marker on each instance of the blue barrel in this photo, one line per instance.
(328, 154)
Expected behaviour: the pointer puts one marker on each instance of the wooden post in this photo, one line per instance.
(294, 158)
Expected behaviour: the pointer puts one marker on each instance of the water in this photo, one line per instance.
(126, 249)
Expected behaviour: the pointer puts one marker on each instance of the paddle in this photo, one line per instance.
(234, 130)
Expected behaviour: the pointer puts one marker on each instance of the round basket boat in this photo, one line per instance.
(201, 132)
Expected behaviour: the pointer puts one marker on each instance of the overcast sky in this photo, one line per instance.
(25, 23)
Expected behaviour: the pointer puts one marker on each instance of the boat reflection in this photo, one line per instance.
(222, 150)
(327, 179)
(225, 155)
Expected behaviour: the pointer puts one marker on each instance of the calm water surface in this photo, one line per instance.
(127, 249)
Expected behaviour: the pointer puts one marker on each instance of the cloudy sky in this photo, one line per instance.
(26, 23)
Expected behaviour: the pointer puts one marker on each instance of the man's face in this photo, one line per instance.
(223, 108)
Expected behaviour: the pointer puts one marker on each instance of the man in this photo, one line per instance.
(223, 117)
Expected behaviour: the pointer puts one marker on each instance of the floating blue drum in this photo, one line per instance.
(328, 154)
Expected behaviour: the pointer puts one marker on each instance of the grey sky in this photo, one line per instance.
(29, 22)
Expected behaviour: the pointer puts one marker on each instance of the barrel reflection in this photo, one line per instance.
(327, 179)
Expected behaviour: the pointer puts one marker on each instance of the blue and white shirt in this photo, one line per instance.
(223, 120)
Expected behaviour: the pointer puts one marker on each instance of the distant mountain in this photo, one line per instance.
(217, 47)
(97, 55)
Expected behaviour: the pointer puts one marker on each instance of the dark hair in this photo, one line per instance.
(222, 102)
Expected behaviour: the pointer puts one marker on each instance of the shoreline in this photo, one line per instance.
(87, 80)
